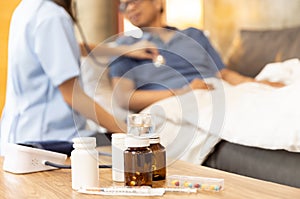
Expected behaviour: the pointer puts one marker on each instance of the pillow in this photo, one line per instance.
(253, 49)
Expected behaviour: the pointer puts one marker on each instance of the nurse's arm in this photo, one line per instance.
(139, 50)
(75, 97)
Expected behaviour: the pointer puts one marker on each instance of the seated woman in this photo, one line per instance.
(189, 58)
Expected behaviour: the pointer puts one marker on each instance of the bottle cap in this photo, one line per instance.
(118, 135)
(154, 140)
(139, 119)
(140, 124)
(133, 141)
(84, 142)
(118, 138)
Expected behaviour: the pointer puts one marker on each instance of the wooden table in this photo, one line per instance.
(57, 184)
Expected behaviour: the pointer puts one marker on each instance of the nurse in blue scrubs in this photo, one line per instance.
(44, 99)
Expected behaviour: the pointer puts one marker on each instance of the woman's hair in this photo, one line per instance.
(67, 5)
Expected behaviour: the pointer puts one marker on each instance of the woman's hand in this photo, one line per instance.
(273, 84)
(194, 85)
(235, 78)
(200, 84)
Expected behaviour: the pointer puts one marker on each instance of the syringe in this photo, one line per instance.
(134, 191)
(124, 191)
(185, 190)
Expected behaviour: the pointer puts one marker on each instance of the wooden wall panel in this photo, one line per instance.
(6, 10)
(224, 18)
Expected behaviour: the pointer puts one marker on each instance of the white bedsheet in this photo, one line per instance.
(250, 114)
(191, 125)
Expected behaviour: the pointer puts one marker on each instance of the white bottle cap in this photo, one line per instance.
(134, 141)
(118, 137)
(84, 142)
(154, 140)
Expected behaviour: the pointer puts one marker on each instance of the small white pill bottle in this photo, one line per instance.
(118, 148)
(84, 163)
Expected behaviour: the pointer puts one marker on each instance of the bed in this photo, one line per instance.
(199, 137)
(251, 51)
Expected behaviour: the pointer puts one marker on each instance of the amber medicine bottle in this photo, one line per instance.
(137, 162)
(158, 159)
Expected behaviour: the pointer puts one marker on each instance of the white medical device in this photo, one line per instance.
(21, 159)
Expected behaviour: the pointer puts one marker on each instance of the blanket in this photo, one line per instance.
(250, 114)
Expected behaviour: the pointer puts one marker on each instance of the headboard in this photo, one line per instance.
(253, 49)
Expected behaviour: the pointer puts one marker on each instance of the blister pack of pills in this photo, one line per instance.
(200, 183)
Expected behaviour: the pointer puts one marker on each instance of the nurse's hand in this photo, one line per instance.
(142, 50)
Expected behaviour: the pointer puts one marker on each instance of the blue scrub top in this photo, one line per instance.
(188, 55)
(43, 53)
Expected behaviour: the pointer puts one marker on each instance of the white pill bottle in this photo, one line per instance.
(84, 163)
(118, 148)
